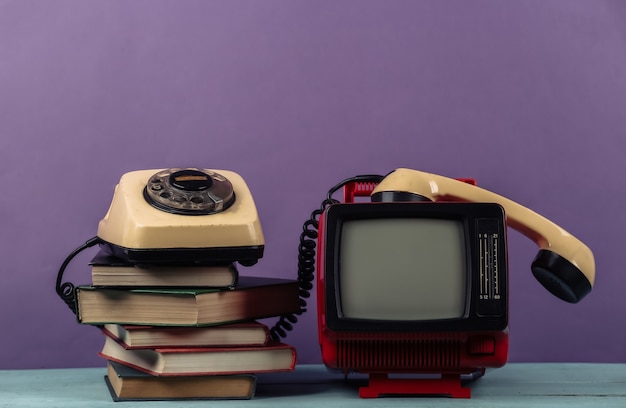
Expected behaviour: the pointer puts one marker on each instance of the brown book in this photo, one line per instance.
(128, 384)
(202, 361)
(231, 335)
(252, 298)
(107, 270)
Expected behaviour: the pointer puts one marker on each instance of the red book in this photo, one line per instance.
(250, 333)
(202, 361)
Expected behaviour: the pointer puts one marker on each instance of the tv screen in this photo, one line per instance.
(388, 267)
(403, 269)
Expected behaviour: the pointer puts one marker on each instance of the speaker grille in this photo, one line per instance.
(398, 355)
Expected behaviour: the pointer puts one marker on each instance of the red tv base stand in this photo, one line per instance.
(450, 385)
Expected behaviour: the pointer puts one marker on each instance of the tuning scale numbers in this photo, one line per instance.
(489, 274)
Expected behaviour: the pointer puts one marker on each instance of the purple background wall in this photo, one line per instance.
(527, 97)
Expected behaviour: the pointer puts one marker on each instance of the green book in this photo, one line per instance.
(252, 298)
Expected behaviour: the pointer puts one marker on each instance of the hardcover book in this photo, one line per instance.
(202, 361)
(250, 333)
(107, 270)
(128, 384)
(252, 298)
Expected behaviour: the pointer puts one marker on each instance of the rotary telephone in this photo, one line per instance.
(183, 216)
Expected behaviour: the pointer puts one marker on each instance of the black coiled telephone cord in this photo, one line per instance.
(306, 256)
(66, 290)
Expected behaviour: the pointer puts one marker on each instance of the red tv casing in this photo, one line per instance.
(372, 352)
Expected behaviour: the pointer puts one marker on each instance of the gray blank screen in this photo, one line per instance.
(402, 269)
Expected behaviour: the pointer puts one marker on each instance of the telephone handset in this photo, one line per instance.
(564, 265)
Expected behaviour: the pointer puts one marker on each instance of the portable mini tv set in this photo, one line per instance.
(416, 281)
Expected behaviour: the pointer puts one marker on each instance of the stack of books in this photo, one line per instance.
(185, 332)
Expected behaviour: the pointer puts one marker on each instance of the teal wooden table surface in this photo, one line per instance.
(514, 385)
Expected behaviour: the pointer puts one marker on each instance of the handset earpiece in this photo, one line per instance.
(564, 265)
